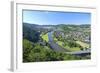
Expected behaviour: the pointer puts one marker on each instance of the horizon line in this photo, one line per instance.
(58, 24)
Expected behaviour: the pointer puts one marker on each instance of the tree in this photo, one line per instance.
(30, 34)
(27, 47)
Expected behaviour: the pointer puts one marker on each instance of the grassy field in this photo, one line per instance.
(55, 39)
(60, 43)
(75, 49)
(84, 45)
(45, 37)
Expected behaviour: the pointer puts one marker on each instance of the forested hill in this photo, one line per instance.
(29, 33)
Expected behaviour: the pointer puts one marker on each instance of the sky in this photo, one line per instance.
(54, 18)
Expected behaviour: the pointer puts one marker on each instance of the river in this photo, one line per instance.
(54, 45)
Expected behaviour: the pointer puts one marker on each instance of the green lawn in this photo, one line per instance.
(84, 45)
(60, 43)
(45, 37)
(75, 49)
(55, 39)
(71, 49)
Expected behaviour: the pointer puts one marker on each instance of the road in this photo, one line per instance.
(85, 52)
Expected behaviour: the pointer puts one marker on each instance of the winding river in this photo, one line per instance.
(54, 45)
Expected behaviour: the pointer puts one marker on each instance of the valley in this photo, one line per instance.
(56, 42)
